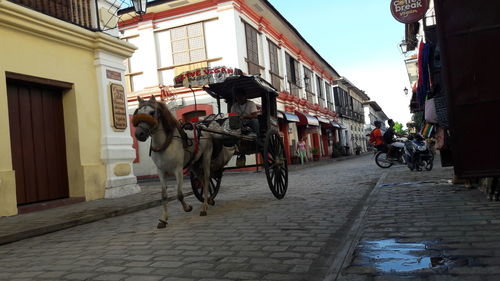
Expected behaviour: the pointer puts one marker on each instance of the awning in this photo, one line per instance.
(335, 124)
(288, 116)
(338, 125)
(323, 120)
(306, 119)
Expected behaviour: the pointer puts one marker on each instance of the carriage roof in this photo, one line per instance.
(222, 82)
(251, 86)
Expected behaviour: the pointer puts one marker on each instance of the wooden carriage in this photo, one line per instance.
(224, 87)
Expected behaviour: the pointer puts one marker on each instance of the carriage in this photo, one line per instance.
(224, 84)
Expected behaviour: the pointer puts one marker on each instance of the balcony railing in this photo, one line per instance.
(294, 89)
(311, 97)
(94, 15)
(276, 81)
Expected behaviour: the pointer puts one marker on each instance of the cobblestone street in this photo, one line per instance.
(247, 235)
(346, 220)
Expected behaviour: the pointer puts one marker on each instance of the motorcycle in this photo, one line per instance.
(382, 158)
(417, 154)
(413, 152)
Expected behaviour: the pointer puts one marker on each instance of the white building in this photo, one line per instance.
(349, 105)
(177, 36)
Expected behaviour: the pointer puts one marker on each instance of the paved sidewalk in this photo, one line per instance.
(28, 225)
(418, 226)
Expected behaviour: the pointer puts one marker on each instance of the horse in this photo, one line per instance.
(173, 149)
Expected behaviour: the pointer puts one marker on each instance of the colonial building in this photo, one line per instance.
(177, 36)
(349, 105)
(64, 132)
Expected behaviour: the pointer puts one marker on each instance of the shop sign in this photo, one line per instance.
(408, 11)
(118, 107)
(203, 76)
(115, 75)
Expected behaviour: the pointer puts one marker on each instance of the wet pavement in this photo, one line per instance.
(418, 226)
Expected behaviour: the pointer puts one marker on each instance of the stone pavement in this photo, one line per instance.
(28, 225)
(418, 226)
(247, 235)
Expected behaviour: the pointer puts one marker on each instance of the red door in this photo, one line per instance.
(37, 141)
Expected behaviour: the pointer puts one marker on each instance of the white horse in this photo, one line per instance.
(170, 152)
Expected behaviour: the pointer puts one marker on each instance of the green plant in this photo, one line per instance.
(314, 151)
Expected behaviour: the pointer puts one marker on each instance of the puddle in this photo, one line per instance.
(392, 256)
(415, 183)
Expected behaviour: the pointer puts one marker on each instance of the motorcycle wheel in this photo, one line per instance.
(381, 160)
(429, 164)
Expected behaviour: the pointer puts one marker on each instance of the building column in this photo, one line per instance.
(116, 142)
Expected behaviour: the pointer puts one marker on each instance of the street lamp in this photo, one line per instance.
(403, 46)
(406, 91)
(140, 6)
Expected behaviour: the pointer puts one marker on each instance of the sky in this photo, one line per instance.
(360, 40)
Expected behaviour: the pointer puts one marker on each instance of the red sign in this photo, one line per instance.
(203, 76)
(408, 11)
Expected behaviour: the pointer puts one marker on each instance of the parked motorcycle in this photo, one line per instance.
(417, 154)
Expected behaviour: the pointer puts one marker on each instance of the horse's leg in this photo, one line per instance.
(164, 215)
(206, 176)
(179, 176)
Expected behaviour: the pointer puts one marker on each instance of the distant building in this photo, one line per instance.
(349, 106)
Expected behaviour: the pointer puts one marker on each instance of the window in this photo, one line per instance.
(308, 79)
(328, 92)
(134, 73)
(188, 44)
(274, 67)
(320, 89)
(251, 35)
(292, 73)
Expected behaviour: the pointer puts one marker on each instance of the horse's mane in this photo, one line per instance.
(168, 120)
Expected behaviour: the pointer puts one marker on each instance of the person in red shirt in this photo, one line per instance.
(376, 138)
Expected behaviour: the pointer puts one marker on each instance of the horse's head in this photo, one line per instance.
(145, 118)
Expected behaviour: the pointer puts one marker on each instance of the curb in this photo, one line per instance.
(347, 251)
(37, 231)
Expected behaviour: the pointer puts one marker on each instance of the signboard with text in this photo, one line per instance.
(408, 11)
(200, 77)
(118, 106)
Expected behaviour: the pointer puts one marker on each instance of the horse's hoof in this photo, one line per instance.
(161, 224)
(203, 213)
(188, 209)
(211, 201)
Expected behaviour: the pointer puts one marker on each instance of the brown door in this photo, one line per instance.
(37, 141)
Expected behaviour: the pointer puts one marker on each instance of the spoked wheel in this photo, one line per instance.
(275, 164)
(213, 187)
(382, 161)
(429, 164)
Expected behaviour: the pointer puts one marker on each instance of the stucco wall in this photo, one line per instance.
(37, 45)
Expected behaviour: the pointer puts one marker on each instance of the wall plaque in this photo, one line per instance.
(118, 105)
(115, 75)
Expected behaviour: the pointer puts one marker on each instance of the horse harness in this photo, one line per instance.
(186, 141)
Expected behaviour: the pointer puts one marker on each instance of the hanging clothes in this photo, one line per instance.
(423, 87)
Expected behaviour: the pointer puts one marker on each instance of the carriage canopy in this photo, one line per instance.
(221, 82)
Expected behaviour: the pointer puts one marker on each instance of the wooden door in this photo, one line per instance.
(37, 141)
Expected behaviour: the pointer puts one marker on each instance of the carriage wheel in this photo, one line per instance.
(275, 164)
(213, 188)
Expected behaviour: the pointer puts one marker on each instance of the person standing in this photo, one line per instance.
(302, 150)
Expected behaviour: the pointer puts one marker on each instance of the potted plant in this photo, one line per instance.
(337, 150)
(358, 150)
(315, 153)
